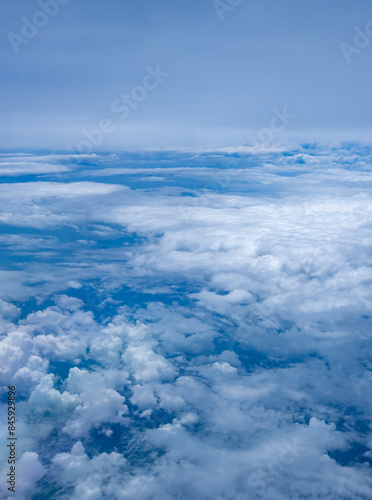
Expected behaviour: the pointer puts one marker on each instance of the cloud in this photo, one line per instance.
(208, 337)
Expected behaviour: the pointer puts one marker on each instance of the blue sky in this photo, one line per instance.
(225, 76)
(192, 322)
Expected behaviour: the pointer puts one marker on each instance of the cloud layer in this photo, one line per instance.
(189, 326)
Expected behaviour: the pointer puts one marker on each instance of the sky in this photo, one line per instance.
(227, 68)
(185, 249)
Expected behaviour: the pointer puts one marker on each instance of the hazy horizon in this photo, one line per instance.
(227, 66)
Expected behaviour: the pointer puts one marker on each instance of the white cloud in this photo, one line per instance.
(220, 344)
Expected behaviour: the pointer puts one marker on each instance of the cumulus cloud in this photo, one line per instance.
(204, 337)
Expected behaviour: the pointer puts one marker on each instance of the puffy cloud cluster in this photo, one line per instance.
(206, 336)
